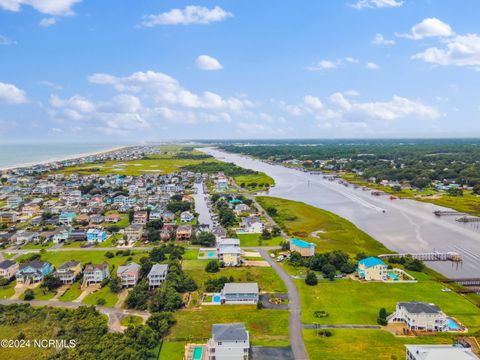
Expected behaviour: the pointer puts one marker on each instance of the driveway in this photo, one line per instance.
(295, 322)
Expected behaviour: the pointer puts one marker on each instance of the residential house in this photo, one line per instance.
(68, 271)
(420, 316)
(156, 213)
(33, 271)
(112, 218)
(96, 219)
(228, 342)
(157, 275)
(30, 210)
(8, 269)
(67, 218)
(95, 273)
(239, 293)
(140, 217)
(241, 208)
(25, 237)
(96, 235)
(220, 232)
(252, 225)
(230, 255)
(439, 352)
(186, 217)
(129, 274)
(168, 216)
(134, 232)
(14, 202)
(372, 268)
(8, 218)
(78, 235)
(304, 248)
(61, 235)
(184, 232)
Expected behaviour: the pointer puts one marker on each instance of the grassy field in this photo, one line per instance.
(252, 181)
(7, 291)
(96, 257)
(131, 320)
(104, 293)
(255, 240)
(468, 203)
(31, 330)
(267, 327)
(301, 220)
(32, 246)
(42, 293)
(266, 277)
(72, 293)
(353, 302)
(346, 344)
(172, 350)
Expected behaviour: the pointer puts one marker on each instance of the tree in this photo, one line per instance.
(271, 211)
(311, 279)
(29, 295)
(329, 271)
(157, 254)
(212, 267)
(109, 255)
(160, 322)
(382, 317)
(205, 238)
(476, 189)
(115, 284)
(455, 191)
(51, 282)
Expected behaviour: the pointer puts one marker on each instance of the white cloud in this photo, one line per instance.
(162, 88)
(462, 50)
(10, 94)
(50, 84)
(351, 60)
(323, 65)
(6, 41)
(380, 40)
(50, 7)
(189, 15)
(46, 22)
(372, 66)
(206, 62)
(362, 4)
(429, 27)
(313, 102)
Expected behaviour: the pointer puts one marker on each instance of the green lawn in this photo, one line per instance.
(266, 277)
(104, 293)
(172, 350)
(7, 291)
(96, 257)
(32, 246)
(353, 302)
(42, 294)
(254, 182)
(32, 330)
(131, 320)
(72, 293)
(266, 327)
(300, 220)
(247, 240)
(347, 344)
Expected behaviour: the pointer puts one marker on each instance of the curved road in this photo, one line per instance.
(295, 322)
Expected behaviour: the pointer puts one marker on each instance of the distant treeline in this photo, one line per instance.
(228, 169)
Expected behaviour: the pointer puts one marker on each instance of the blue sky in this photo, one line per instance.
(82, 70)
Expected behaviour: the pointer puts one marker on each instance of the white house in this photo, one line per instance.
(420, 316)
(433, 352)
(252, 225)
(239, 293)
(157, 275)
(228, 342)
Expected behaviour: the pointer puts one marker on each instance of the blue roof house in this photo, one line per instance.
(304, 248)
(372, 268)
(96, 235)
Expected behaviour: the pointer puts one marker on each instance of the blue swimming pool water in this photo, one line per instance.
(393, 276)
(211, 254)
(452, 325)
(216, 299)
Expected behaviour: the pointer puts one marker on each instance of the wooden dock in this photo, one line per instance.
(447, 213)
(468, 219)
(429, 256)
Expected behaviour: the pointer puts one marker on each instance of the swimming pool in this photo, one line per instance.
(211, 254)
(453, 325)
(393, 277)
(197, 353)
(216, 298)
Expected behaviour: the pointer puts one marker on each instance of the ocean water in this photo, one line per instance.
(21, 154)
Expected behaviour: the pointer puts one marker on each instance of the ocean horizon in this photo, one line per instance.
(22, 154)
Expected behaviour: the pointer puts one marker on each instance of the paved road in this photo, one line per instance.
(319, 326)
(295, 323)
(114, 314)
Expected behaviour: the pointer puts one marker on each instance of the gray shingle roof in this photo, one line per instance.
(229, 332)
(415, 307)
(158, 269)
(6, 264)
(240, 288)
